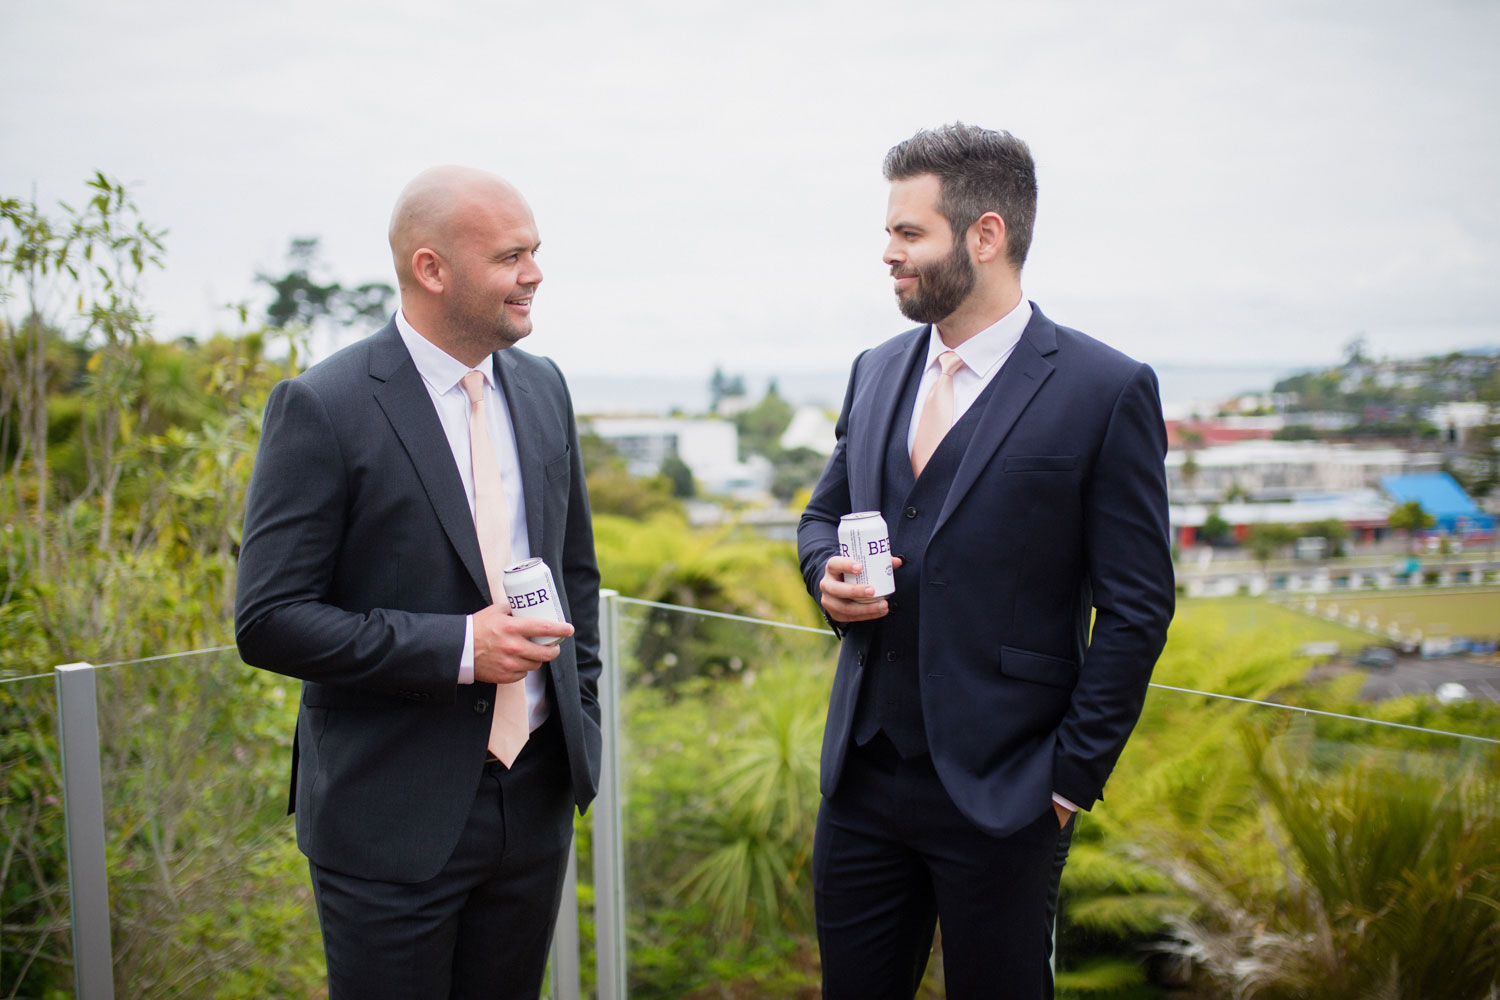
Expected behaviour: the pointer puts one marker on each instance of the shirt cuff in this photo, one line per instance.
(466, 661)
(1070, 807)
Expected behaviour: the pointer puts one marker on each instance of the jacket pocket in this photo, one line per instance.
(1041, 463)
(1039, 668)
(315, 695)
(557, 468)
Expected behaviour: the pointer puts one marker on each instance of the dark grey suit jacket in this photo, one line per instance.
(358, 564)
(1058, 510)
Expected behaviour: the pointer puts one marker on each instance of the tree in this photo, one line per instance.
(121, 496)
(81, 270)
(762, 425)
(722, 386)
(796, 469)
(1410, 517)
(1215, 528)
(1265, 540)
(1335, 531)
(676, 472)
(613, 490)
(1295, 432)
(1190, 470)
(1355, 352)
(301, 300)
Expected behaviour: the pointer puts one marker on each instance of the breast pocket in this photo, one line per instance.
(1041, 463)
(557, 468)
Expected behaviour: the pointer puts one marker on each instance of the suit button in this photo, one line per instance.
(861, 659)
(911, 512)
(897, 555)
(891, 655)
(481, 706)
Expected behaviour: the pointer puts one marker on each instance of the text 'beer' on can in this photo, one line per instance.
(531, 593)
(864, 536)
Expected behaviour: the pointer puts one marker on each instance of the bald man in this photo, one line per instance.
(437, 863)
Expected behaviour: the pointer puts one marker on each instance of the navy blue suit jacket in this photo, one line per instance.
(358, 565)
(1058, 510)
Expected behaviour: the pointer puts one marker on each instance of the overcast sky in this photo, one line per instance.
(1242, 182)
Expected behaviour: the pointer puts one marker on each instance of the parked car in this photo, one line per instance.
(1376, 657)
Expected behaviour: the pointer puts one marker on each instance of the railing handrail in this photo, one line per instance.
(727, 616)
(1327, 715)
(1154, 684)
(29, 677)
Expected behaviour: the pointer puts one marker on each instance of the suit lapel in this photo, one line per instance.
(523, 417)
(1017, 382)
(880, 398)
(403, 397)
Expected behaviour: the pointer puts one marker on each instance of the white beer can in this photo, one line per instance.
(531, 593)
(864, 536)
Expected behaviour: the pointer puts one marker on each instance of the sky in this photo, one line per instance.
(1249, 182)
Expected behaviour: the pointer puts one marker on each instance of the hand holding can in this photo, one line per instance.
(864, 536)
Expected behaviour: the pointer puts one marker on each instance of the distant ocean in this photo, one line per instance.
(1181, 385)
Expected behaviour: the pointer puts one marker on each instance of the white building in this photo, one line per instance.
(1459, 417)
(709, 448)
(1267, 470)
(811, 427)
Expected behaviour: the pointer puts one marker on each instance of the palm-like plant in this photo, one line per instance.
(1390, 885)
(756, 844)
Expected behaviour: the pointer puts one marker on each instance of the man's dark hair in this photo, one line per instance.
(981, 171)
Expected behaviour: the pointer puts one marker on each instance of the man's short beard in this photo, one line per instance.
(940, 289)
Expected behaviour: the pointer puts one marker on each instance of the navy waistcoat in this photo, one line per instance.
(890, 696)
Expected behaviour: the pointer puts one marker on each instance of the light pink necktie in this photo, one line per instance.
(510, 727)
(937, 413)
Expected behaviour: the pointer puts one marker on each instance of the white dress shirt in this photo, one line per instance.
(443, 374)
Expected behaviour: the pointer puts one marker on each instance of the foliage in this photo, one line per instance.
(1388, 883)
(1184, 833)
(722, 796)
(797, 469)
(762, 425)
(613, 490)
(301, 300)
(1266, 539)
(1215, 528)
(1190, 467)
(676, 472)
(721, 387)
(1410, 517)
(1295, 432)
(126, 461)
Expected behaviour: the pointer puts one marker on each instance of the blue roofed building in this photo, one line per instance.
(1441, 496)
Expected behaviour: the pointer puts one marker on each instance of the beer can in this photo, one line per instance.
(864, 536)
(531, 593)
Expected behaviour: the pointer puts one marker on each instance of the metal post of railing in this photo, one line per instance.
(609, 852)
(567, 984)
(83, 815)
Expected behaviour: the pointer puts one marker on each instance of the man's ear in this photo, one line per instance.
(429, 269)
(988, 237)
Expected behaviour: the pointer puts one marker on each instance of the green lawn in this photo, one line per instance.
(1473, 613)
(1252, 614)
